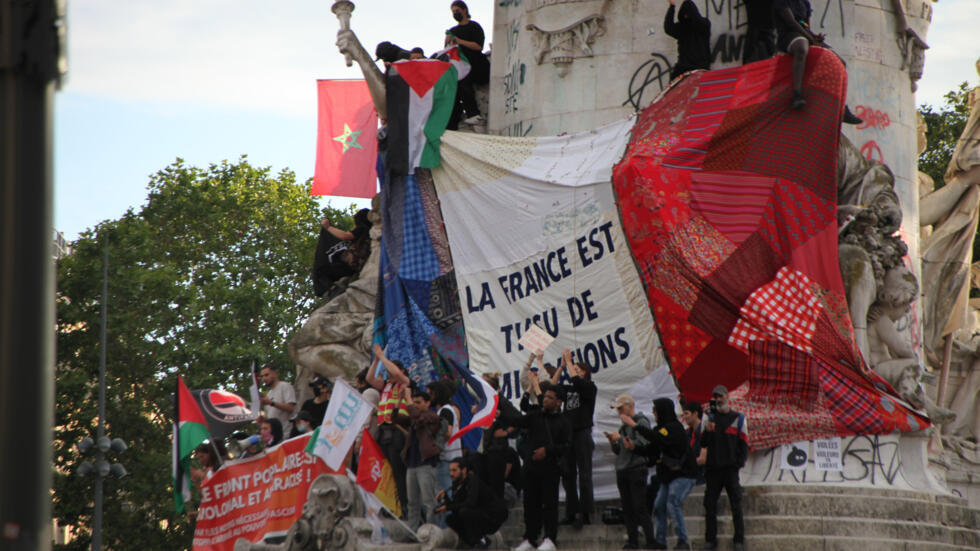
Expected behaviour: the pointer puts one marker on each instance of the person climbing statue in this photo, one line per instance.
(693, 35)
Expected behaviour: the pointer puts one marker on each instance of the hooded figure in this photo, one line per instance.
(693, 35)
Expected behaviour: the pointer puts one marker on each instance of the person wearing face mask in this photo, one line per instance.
(270, 432)
(468, 35)
(724, 449)
(302, 424)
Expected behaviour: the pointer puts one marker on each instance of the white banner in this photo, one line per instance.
(346, 414)
(536, 239)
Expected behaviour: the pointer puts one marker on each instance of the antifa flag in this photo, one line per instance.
(224, 411)
(347, 140)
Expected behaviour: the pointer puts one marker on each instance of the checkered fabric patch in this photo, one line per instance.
(785, 310)
(782, 374)
(851, 405)
(418, 257)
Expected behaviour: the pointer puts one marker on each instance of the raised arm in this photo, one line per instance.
(348, 44)
(395, 373)
(372, 376)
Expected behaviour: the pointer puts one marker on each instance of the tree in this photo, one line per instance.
(212, 273)
(943, 130)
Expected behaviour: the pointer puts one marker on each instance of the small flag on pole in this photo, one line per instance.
(347, 140)
(190, 429)
(375, 476)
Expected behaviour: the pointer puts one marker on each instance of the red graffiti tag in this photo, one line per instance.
(872, 118)
(872, 152)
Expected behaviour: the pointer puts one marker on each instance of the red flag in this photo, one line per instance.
(374, 474)
(347, 140)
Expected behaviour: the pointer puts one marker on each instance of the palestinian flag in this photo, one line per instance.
(190, 429)
(455, 56)
(421, 95)
(374, 474)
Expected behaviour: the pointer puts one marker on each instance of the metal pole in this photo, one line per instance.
(100, 431)
(30, 42)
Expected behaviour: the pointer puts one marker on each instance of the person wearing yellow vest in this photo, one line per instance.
(393, 416)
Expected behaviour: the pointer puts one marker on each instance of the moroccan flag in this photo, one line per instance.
(190, 429)
(347, 140)
(421, 95)
(374, 474)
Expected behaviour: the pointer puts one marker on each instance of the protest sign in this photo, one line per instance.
(826, 454)
(795, 456)
(535, 339)
(256, 497)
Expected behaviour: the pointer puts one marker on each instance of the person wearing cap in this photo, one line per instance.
(676, 470)
(724, 449)
(631, 472)
(302, 424)
(317, 405)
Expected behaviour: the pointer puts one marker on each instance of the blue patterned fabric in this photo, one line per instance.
(417, 317)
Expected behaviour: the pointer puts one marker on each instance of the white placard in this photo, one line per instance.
(795, 456)
(535, 339)
(826, 454)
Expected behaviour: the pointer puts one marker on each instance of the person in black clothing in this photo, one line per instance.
(317, 405)
(792, 18)
(691, 417)
(580, 396)
(340, 253)
(676, 469)
(548, 435)
(468, 35)
(760, 36)
(693, 35)
(724, 450)
(475, 511)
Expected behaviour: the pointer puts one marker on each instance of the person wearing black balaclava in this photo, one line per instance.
(469, 36)
(693, 35)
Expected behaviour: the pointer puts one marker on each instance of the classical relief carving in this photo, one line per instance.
(565, 30)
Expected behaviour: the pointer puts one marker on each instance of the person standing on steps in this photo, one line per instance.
(631, 473)
(724, 450)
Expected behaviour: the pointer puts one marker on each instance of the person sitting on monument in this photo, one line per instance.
(416, 53)
(340, 253)
(469, 36)
(302, 424)
(475, 511)
(760, 32)
(794, 36)
(693, 34)
(317, 405)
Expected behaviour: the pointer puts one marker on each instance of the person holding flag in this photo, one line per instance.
(393, 417)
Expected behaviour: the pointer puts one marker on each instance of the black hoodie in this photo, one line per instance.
(693, 34)
(668, 444)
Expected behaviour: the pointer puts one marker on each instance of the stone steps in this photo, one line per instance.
(805, 518)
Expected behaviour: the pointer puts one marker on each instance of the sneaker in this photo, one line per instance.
(484, 543)
(547, 545)
(524, 546)
(851, 118)
(797, 102)
(474, 120)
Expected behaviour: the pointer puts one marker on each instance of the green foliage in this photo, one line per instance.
(211, 274)
(943, 130)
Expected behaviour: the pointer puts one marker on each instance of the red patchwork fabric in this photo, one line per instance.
(729, 203)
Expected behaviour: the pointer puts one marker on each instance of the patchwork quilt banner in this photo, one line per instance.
(728, 198)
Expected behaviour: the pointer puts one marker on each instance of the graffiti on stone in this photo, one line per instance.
(867, 459)
(650, 78)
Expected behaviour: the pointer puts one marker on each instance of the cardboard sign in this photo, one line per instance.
(535, 339)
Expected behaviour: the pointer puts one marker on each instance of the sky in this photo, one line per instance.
(151, 81)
